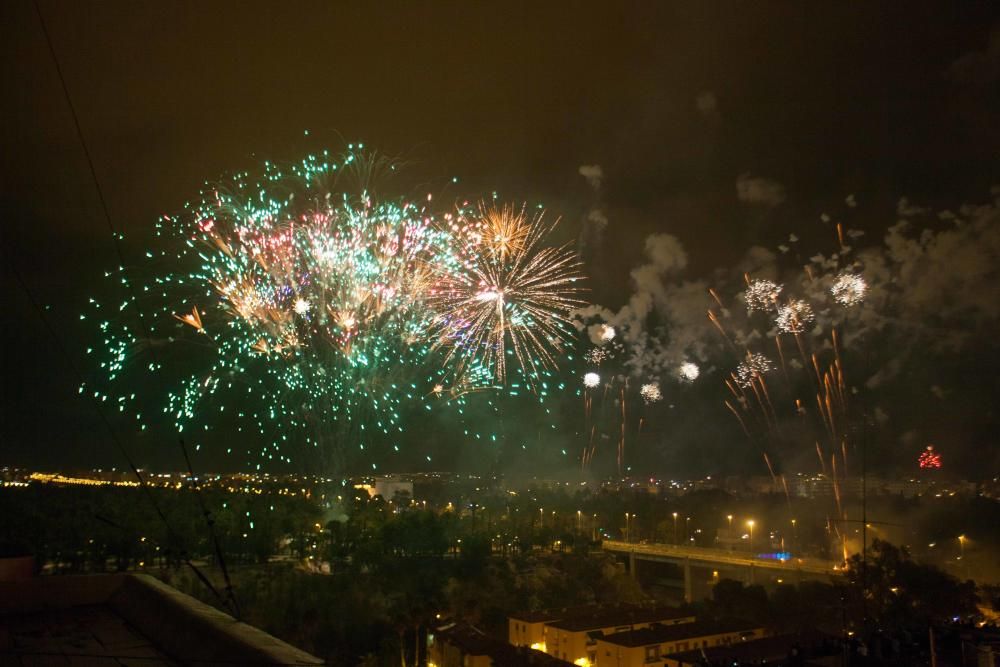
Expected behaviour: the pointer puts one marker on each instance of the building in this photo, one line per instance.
(462, 645)
(574, 638)
(810, 646)
(653, 644)
(528, 628)
(386, 486)
(126, 619)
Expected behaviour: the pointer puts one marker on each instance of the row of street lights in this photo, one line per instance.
(630, 518)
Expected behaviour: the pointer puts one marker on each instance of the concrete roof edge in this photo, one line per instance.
(177, 624)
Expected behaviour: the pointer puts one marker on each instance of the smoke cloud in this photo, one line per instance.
(596, 221)
(594, 175)
(931, 307)
(759, 191)
(706, 103)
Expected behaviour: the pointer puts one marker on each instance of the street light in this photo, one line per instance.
(675, 527)
(750, 525)
(961, 545)
(795, 535)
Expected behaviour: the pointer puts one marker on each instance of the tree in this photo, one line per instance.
(731, 599)
(892, 591)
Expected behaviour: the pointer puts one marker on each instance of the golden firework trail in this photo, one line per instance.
(510, 293)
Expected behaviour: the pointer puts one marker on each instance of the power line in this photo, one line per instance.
(157, 659)
(115, 240)
(111, 430)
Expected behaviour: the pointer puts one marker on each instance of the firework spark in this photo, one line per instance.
(849, 289)
(509, 293)
(326, 312)
(754, 366)
(650, 392)
(591, 380)
(688, 371)
(929, 459)
(761, 295)
(794, 317)
(596, 355)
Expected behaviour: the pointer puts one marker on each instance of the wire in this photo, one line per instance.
(115, 240)
(107, 423)
(158, 659)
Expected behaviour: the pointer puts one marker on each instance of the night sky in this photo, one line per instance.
(725, 125)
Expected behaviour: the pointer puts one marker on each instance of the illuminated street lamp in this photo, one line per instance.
(729, 517)
(750, 523)
(675, 527)
(961, 546)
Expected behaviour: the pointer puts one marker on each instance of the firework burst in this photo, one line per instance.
(688, 371)
(596, 355)
(794, 317)
(755, 365)
(650, 392)
(929, 459)
(508, 295)
(591, 380)
(319, 309)
(761, 295)
(849, 289)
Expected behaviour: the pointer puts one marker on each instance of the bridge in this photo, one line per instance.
(686, 557)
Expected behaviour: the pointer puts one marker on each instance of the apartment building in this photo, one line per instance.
(652, 645)
(574, 638)
(462, 645)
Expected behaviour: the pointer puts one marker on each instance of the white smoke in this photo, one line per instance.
(706, 103)
(759, 191)
(596, 220)
(594, 175)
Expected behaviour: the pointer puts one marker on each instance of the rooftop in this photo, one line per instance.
(126, 619)
(626, 615)
(658, 634)
(769, 649)
(472, 641)
(556, 613)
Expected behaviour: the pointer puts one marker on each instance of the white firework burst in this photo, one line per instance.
(591, 380)
(596, 355)
(688, 371)
(794, 317)
(754, 366)
(761, 295)
(608, 333)
(650, 392)
(849, 289)
(301, 306)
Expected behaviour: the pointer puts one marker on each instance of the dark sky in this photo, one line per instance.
(674, 100)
